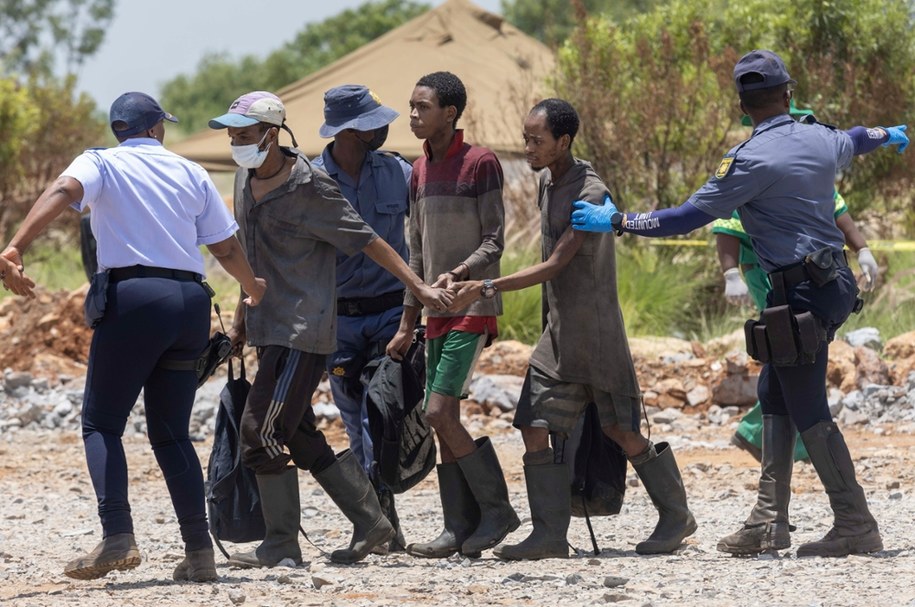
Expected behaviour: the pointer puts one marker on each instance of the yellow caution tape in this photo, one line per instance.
(874, 245)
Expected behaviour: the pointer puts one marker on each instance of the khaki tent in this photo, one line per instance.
(502, 68)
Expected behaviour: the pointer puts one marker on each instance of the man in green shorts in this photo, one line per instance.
(736, 256)
(456, 233)
(583, 354)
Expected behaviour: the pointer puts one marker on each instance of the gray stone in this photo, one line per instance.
(16, 379)
(736, 390)
(500, 391)
(612, 581)
(697, 395)
(867, 337)
(854, 400)
(236, 596)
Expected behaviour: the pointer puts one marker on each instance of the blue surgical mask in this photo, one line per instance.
(250, 156)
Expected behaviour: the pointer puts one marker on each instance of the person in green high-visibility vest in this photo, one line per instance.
(747, 283)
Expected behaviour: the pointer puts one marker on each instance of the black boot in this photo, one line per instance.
(347, 484)
(551, 511)
(484, 477)
(386, 499)
(279, 495)
(767, 527)
(854, 530)
(460, 511)
(658, 471)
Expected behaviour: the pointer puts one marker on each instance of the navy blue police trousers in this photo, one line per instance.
(146, 320)
(800, 391)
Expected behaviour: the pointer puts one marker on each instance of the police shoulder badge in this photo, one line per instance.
(338, 371)
(725, 167)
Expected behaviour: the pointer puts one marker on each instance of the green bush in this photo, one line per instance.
(663, 290)
(890, 307)
(521, 314)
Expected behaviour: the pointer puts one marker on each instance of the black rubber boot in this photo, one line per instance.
(484, 477)
(347, 484)
(279, 495)
(767, 527)
(551, 511)
(854, 530)
(658, 471)
(386, 499)
(197, 566)
(460, 511)
(115, 552)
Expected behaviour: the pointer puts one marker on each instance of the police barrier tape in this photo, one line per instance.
(873, 245)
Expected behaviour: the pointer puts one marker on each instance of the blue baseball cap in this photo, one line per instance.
(133, 113)
(763, 63)
(353, 106)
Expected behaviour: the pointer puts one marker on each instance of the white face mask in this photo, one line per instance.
(250, 156)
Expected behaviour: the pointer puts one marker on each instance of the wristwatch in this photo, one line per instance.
(616, 222)
(488, 291)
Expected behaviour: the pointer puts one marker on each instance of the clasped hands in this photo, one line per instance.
(461, 293)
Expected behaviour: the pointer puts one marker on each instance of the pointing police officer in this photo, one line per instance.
(781, 183)
(151, 210)
(369, 298)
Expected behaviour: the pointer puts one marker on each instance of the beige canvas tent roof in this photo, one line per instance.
(502, 68)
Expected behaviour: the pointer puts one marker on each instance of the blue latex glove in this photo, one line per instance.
(897, 137)
(593, 218)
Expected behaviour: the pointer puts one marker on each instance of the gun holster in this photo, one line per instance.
(96, 299)
(783, 337)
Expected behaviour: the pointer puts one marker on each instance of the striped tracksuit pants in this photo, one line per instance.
(278, 423)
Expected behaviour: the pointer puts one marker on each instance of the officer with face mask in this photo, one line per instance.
(369, 298)
(292, 222)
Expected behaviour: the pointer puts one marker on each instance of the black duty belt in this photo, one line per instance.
(363, 306)
(117, 274)
(795, 274)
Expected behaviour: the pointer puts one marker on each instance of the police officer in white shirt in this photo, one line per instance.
(151, 210)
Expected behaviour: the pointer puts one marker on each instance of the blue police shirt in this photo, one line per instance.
(149, 206)
(781, 183)
(381, 198)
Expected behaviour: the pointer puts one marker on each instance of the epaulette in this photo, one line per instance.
(393, 154)
(831, 127)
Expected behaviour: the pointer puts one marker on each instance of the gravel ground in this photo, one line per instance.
(47, 516)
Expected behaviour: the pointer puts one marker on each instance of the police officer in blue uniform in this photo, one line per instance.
(151, 211)
(781, 182)
(369, 298)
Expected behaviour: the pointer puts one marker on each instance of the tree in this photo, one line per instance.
(35, 33)
(219, 79)
(44, 125)
(657, 97)
(551, 21)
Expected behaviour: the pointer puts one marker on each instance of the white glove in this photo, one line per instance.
(735, 289)
(869, 268)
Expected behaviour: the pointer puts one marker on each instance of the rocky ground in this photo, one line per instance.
(694, 393)
(48, 516)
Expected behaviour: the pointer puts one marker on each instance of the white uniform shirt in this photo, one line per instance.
(149, 206)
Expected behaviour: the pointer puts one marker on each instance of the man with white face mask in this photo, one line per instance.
(293, 220)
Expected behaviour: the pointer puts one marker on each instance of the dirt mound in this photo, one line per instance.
(45, 336)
